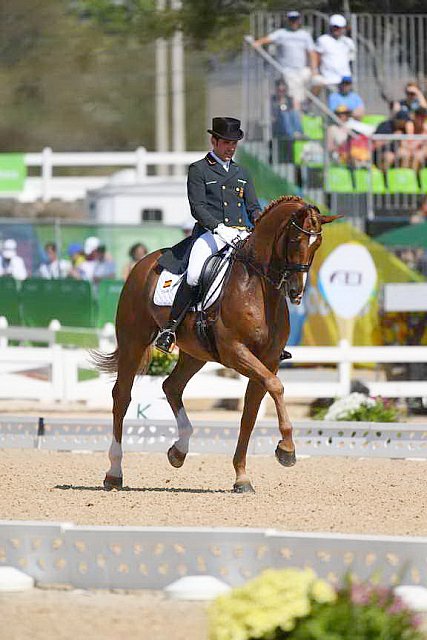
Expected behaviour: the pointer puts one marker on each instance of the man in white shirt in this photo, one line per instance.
(54, 268)
(10, 263)
(335, 51)
(296, 55)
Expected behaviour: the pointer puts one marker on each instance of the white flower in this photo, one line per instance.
(347, 404)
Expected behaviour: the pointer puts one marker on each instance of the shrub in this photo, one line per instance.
(361, 408)
(161, 363)
(293, 604)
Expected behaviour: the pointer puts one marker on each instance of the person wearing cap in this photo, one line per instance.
(345, 95)
(10, 263)
(334, 51)
(223, 202)
(86, 269)
(295, 53)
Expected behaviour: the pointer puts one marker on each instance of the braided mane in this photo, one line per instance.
(273, 203)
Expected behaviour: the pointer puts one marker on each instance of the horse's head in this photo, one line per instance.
(300, 241)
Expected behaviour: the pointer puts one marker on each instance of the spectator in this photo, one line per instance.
(188, 227)
(347, 97)
(77, 256)
(296, 55)
(54, 267)
(344, 147)
(105, 268)
(420, 215)
(413, 101)
(335, 52)
(10, 263)
(395, 152)
(86, 269)
(136, 253)
(286, 119)
(337, 135)
(418, 148)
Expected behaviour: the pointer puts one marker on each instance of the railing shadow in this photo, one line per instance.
(74, 487)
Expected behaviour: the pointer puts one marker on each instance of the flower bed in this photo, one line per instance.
(293, 604)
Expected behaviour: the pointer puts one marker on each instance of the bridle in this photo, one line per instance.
(278, 278)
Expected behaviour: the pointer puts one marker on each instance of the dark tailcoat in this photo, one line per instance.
(215, 196)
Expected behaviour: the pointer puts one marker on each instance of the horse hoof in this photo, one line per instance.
(286, 458)
(113, 482)
(244, 487)
(175, 457)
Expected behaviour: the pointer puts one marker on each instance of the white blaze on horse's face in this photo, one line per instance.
(306, 244)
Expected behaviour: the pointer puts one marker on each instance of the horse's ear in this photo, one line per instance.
(326, 219)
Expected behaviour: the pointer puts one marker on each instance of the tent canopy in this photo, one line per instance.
(412, 235)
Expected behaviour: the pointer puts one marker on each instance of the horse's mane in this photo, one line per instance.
(273, 203)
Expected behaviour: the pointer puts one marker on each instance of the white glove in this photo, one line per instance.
(228, 234)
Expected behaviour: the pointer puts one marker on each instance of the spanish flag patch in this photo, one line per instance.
(167, 283)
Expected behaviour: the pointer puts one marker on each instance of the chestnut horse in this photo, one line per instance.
(249, 324)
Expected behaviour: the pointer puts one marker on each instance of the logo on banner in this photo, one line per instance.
(347, 279)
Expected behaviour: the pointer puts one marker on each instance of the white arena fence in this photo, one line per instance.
(47, 186)
(51, 373)
(149, 435)
(152, 558)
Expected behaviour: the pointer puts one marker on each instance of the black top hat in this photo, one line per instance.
(226, 128)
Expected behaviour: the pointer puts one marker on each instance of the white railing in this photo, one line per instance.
(52, 373)
(47, 186)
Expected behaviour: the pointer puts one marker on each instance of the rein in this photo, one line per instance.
(277, 278)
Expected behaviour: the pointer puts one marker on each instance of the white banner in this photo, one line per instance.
(347, 279)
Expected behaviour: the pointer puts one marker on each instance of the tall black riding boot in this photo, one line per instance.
(184, 299)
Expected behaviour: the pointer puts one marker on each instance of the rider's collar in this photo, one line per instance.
(225, 165)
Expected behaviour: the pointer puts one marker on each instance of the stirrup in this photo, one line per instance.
(285, 355)
(166, 341)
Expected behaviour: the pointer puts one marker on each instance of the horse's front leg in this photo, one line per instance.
(174, 386)
(248, 365)
(253, 397)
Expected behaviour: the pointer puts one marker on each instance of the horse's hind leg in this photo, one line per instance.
(173, 386)
(253, 397)
(129, 362)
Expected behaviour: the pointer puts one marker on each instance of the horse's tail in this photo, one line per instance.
(109, 362)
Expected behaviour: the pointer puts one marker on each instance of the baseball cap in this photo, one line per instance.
(73, 248)
(402, 115)
(91, 244)
(346, 80)
(9, 248)
(337, 20)
(293, 15)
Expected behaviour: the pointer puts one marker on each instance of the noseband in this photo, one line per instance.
(279, 278)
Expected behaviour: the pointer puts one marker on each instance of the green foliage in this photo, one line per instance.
(293, 604)
(359, 613)
(161, 363)
(359, 408)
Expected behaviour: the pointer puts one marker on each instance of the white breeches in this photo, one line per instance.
(205, 246)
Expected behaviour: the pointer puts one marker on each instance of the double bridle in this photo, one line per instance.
(279, 278)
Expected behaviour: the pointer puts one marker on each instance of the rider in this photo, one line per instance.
(219, 192)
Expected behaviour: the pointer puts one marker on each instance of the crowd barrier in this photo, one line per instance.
(35, 302)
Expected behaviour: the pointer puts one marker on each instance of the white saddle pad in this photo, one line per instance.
(168, 283)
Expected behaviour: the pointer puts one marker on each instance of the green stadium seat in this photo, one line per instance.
(298, 151)
(312, 127)
(338, 180)
(373, 118)
(69, 301)
(423, 179)
(402, 180)
(10, 301)
(362, 181)
(108, 296)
